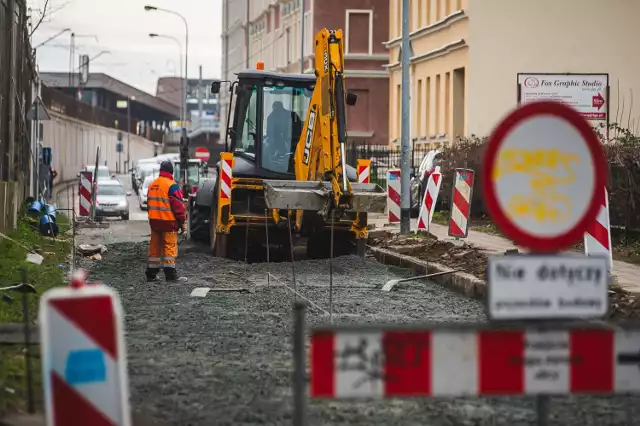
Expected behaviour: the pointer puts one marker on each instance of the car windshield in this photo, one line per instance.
(285, 109)
(110, 190)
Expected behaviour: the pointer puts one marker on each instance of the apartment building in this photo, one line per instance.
(276, 37)
(466, 55)
(234, 49)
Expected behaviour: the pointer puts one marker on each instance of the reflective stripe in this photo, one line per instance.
(159, 199)
(154, 259)
(153, 266)
(158, 202)
(170, 265)
(160, 209)
(169, 258)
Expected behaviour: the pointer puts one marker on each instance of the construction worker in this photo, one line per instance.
(166, 216)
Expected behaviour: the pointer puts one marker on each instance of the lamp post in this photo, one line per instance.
(182, 89)
(186, 58)
(58, 34)
(119, 105)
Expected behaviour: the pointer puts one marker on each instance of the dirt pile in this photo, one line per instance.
(470, 259)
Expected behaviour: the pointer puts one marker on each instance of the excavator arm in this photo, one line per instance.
(321, 183)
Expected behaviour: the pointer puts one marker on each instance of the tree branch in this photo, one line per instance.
(43, 15)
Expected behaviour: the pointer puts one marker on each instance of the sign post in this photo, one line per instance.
(544, 176)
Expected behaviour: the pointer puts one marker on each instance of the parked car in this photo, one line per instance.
(144, 170)
(135, 172)
(111, 199)
(419, 181)
(144, 190)
(103, 172)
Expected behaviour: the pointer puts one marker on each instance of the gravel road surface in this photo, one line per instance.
(226, 359)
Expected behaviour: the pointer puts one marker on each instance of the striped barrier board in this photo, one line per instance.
(84, 356)
(226, 174)
(468, 361)
(364, 171)
(429, 200)
(393, 195)
(461, 203)
(597, 239)
(84, 203)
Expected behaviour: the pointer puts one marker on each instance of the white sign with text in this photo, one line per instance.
(547, 287)
(587, 93)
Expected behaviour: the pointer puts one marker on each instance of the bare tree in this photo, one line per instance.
(43, 14)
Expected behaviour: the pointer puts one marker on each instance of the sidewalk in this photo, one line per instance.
(628, 275)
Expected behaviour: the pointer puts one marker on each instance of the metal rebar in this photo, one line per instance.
(333, 216)
(293, 266)
(27, 340)
(266, 229)
(309, 301)
(299, 367)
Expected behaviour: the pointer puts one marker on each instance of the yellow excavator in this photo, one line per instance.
(284, 168)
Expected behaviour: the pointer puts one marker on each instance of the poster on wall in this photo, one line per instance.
(587, 93)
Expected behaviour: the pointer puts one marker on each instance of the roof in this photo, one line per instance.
(258, 74)
(105, 82)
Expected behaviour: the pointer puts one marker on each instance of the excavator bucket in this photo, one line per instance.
(314, 195)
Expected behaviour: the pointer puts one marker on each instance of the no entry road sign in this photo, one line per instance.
(544, 175)
(202, 153)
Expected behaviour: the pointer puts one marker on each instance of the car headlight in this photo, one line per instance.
(122, 204)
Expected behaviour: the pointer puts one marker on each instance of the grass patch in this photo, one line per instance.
(43, 277)
(441, 218)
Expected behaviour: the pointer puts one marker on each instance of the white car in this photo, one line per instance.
(144, 190)
(103, 172)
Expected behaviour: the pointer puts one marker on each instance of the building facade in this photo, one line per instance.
(277, 37)
(466, 55)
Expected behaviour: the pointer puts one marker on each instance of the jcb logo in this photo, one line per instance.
(309, 138)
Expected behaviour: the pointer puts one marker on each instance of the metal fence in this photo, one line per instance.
(382, 159)
(59, 102)
(17, 77)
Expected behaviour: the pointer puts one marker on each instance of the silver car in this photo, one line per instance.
(111, 200)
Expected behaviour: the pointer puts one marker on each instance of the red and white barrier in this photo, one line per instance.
(84, 356)
(597, 239)
(473, 362)
(393, 195)
(84, 204)
(429, 200)
(364, 171)
(226, 174)
(461, 203)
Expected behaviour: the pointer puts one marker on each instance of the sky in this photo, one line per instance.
(122, 27)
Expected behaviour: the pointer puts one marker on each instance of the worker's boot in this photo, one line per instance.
(171, 274)
(151, 274)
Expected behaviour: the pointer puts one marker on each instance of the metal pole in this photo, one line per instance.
(246, 35)
(542, 410)
(299, 368)
(27, 340)
(333, 219)
(302, 7)
(128, 132)
(405, 207)
(200, 100)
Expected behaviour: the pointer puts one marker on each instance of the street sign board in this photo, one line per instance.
(38, 111)
(586, 93)
(546, 287)
(46, 156)
(544, 175)
(122, 104)
(202, 153)
(473, 360)
(119, 147)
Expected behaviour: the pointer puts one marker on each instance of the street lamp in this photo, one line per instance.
(182, 90)
(53, 37)
(149, 8)
(103, 52)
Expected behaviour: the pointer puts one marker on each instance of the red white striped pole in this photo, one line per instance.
(597, 239)
(427, 208)
(84, 194)
(393, 195)
(461, 203)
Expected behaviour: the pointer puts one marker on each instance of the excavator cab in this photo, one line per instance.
(285, 158)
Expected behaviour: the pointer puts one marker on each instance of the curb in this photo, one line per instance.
(461, 282)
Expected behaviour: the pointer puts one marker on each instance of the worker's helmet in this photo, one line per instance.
(166, 166)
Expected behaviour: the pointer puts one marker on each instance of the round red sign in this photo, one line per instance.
(544, 176)
(202, 153)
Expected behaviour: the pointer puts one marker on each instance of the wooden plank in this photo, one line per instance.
(13, 334)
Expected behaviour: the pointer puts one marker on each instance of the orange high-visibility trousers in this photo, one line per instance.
(163, 251)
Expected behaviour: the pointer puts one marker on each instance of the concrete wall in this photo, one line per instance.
(74, 144)
(549, 36)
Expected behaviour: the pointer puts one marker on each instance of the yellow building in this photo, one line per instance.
(466, 56)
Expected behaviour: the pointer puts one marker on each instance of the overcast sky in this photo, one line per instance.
(122, 27)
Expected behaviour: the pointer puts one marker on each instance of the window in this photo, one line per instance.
(418, 130)
(359, 31)
(438, 10)
(245, 120)
(285, 110)
(420, 22)
(428, 106)
(447, 7)
(447, 101)
(398, 110)
(437, 103)
(428, 5)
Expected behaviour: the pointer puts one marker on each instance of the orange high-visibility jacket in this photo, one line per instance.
(165, 213)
